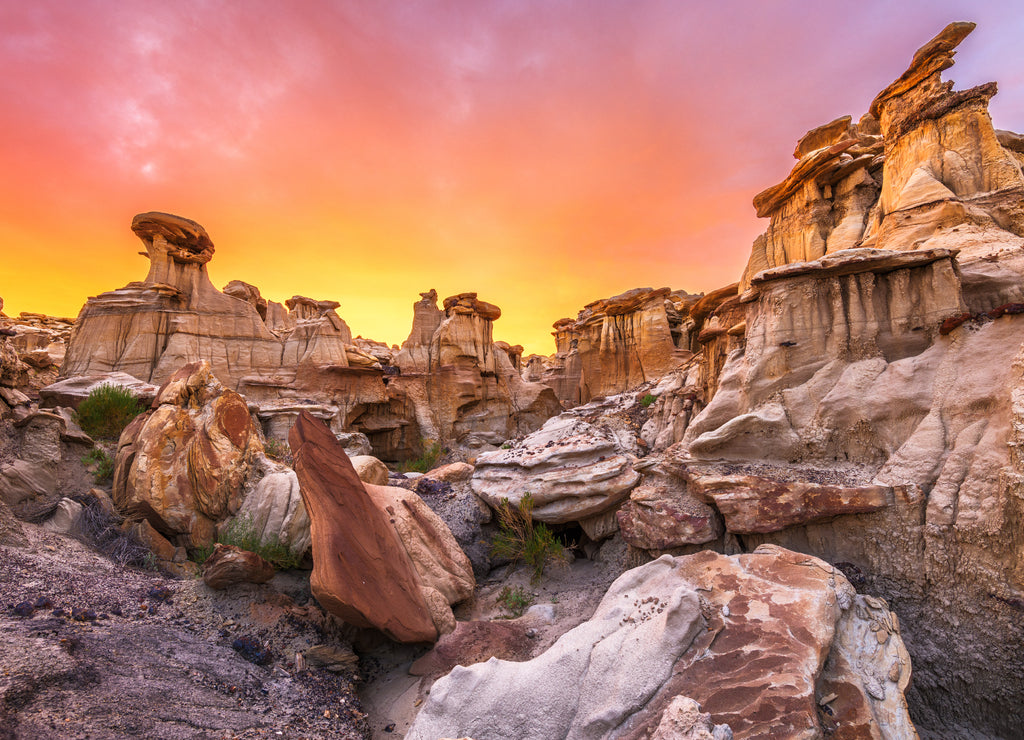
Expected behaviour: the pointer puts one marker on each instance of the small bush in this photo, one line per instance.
(520, 538)
(243, 534)
(515, 601)
(107, 410)
(426, 462)
(647, 400)
(103, 463)
(279, 451)
(103, 531)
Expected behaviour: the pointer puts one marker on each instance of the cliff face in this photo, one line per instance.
(880, 370)
(617, 343)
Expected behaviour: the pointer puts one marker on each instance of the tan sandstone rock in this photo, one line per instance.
(655, 638)
(182, 466)
(370, 469)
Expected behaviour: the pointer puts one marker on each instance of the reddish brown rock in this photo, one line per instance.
(229, 565)
(750, 503)
(362, 570)
(661, 516)
(474, 642)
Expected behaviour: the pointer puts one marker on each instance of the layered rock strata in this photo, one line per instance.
(449, 383)
(687, 628)
(879, 373)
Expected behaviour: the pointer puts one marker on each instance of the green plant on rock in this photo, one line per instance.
(647, 400)
(426, 462)
(102, 464)
(107, 410)
(520, 538)
(243, 533)
(514, 601)
(276, 450)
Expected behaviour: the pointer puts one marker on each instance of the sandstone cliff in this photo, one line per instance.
(879, 376)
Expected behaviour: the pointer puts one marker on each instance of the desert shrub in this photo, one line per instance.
(107, 410)
(426, 462)
(647, 400)
(102, 530)
(243, 534)
(515, 601)
(277, 450)
(104, 464)
(520, 538)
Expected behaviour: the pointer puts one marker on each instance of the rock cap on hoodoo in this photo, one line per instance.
(190, 241)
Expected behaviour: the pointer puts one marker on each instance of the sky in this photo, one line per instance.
(542, 153)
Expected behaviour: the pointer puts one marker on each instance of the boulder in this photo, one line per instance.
(379, 558)
(229, 565)
(370, 469)
(573, 470)
(183, 465)
(65, 517)
(273, 508)
(656, 647)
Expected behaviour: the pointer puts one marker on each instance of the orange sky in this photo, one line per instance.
(542, 153)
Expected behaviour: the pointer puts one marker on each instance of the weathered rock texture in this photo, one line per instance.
(456, 385)
(381, 558)
(572, 468)
(617, 343)
(879, 377)
(758, 640)
(449, 383)
(229, 565)
(183, 465)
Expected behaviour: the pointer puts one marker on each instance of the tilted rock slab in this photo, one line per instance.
(754, 639)
(379, 559)
(573, 470)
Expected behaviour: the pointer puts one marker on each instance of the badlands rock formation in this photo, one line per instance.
(617, 343)
(770, 644)
(879, 377)
(381, 558)
(454, 384)
(450, 382)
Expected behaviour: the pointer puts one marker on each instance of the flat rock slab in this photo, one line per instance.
(751, 504)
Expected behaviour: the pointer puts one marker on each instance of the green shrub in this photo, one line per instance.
(520, 538)
(243, 534)
(107, 410)
(647, 400)
(103, 463)
(426, 462)
(515, 601)
(277, 450)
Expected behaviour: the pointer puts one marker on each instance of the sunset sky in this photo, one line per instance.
(541, 153)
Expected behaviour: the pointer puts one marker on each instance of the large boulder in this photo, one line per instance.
(183, 465)
(759, 641)
(573, 469)
(381, 558)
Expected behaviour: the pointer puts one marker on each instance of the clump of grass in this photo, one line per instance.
(514, 601)
(102, 463)
(200, 555)
(107, 410)
(243, 534)
(276, 450)
(426, 462)
(520, 538)
(647, 400)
